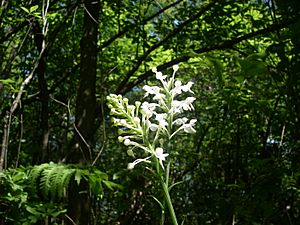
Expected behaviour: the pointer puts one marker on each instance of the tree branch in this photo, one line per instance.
(19, 27)
(160, 43)
(129, 27)
(220, 46)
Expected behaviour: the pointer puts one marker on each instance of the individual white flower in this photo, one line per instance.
(137, 104)
(125, 100)
(151, 90)
(160, 76)
(187, 104)
(130, 152)
(177, 90)
(120, 139)
(161, 119)
(188, 128)
(151, 126)
(176, 107)
(180, 121)
(187, 87)
(159, 153)
(114, 111)
(148, 109)
(115, 121)
(150, 106)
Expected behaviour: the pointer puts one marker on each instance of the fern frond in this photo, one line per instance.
(53, 180)
(63, 181)
(35, 175)
(45, 184)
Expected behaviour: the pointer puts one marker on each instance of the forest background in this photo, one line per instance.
(61, 162)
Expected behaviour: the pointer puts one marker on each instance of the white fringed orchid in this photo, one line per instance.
(148, 126)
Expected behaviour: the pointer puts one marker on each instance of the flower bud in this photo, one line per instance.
(138, 104)
(130, 166)
(175, 68)
(137, 120)
(130, 152)
(127, 142)
(154, 69)
(120, 139)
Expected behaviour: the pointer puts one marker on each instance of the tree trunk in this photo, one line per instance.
(43, 95)
(79, 199)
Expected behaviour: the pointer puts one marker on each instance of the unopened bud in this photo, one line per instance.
(127, 142)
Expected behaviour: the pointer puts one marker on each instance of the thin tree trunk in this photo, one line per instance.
(79, 199)
(44, 95)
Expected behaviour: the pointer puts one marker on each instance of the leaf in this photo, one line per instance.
(161, 205)
(19, 176)
(26, 10)
(33, 8)
(57, 213)
(111, 185)
(32, 211)
(78, 176)
(173, 185)
(240, 78)
(7, 81)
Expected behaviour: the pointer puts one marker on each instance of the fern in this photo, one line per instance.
(53, 180)
(35, 175)
(62, 183)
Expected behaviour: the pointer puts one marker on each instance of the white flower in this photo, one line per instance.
(187, 104)
(161, 118)
(130, 110)
(120, 139)
(176, 107)
(188, 128)
(148, 109)
(154, 90)
(159, 153)
(151, 126)
(177, 90)
(187, 87)
(151, 90)
(179, 106)
(180, 121)
(114, 111)
(160, 76)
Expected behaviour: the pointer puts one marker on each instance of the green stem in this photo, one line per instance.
(169, 202)
(162, 219)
